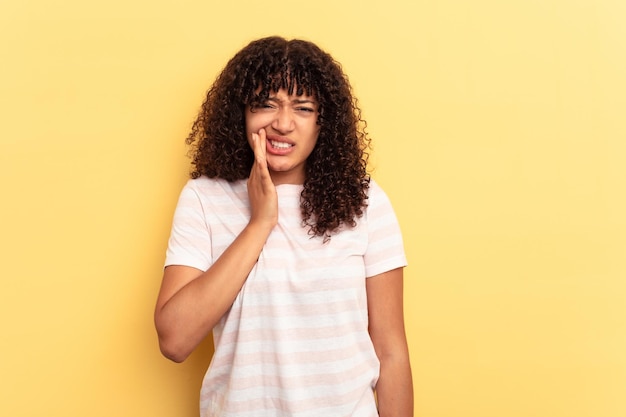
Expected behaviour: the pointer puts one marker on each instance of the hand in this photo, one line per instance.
(261, 189)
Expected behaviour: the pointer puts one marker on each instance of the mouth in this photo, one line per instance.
(280, 145)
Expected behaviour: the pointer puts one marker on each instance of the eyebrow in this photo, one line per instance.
(294, 101)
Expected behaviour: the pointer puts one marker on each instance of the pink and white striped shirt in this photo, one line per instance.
(295, 341)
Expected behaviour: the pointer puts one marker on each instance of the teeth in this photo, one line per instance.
(280, 145)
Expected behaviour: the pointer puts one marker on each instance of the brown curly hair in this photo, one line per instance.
(336, 182)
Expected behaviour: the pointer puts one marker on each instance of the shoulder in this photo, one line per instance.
(374, 188)
(210, 187)
(376, 196)
(204, 193)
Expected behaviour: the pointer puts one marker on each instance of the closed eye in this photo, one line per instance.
(263, 106)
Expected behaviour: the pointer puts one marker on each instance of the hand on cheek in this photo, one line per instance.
(261, 190)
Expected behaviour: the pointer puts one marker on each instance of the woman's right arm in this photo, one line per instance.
(191, 302)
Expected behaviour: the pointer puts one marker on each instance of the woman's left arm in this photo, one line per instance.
(394, 390)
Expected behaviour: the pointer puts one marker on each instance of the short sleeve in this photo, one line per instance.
(385, 250)
(190, 238)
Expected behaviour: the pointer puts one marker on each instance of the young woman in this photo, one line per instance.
(284, 247)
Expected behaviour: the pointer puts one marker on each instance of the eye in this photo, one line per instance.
(305, 109)
(264, 106)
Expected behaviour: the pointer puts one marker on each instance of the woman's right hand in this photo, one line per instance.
(261, 189)
(191, 301)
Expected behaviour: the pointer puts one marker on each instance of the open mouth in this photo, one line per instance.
(280, 145)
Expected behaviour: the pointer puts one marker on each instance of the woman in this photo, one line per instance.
(285, 248)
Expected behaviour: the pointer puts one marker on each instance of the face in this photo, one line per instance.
(290, 123)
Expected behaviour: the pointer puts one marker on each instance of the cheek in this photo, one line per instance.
(249, 123)
(316, 132)
(254, 122)
(250, 118)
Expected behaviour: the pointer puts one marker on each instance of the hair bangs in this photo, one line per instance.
(293, 73)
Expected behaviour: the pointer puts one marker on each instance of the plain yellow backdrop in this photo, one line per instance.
(500, 136)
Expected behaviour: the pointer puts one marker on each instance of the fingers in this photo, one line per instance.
(261, 190)
(260, 154)
(262, 142)
(258, 146)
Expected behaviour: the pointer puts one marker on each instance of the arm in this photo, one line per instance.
(191, 302)
(394, 389)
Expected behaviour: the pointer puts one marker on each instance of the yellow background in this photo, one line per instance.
(500, 136)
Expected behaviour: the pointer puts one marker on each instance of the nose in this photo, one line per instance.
(283, 122)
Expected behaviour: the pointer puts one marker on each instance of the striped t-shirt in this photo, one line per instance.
(295, 341)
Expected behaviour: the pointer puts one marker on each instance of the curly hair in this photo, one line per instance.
(336, 179)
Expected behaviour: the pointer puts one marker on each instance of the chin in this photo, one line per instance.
(278, 168)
